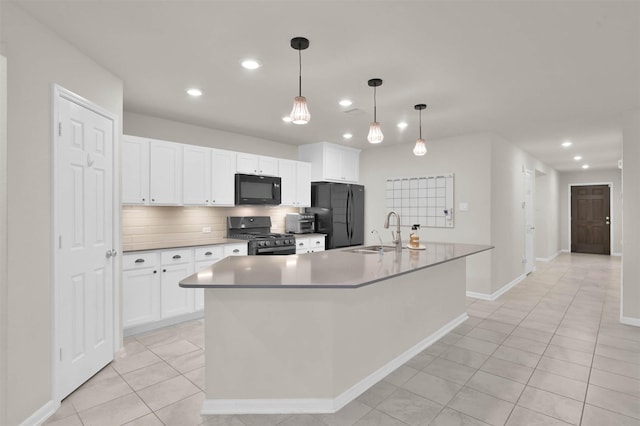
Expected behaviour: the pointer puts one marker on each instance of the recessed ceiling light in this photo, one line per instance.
(251, 64)
(345, 102)
(585, 166)
(286, 119)
(347, 135)
(402, 125)
(577, 157)
(194, 92)
(567, 144)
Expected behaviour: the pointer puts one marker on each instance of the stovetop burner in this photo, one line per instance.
(257, 230)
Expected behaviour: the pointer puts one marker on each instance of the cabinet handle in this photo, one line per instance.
(300, 244)
(177, 256)
(153, 199)
(143, 199)
(155, 272)
(139, 261)
(213, 201)
(206, 201)
(236, 251)
(164, 270)
(317, 242)
(208, 253)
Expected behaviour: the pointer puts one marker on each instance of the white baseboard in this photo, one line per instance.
(565, 251)
(502, 290)
(324, 405)
(548, 259)
(143, 328)
(616, 254)
(42, 414)
(630, 321)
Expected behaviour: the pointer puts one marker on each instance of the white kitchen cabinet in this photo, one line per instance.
(175, 265)
(296, 183)
(306, 244)
(196, 172)
(205, 257)
(256, 164)
(331, 162)
(165, 165)
(223, 170)
(238, 249)
(135, 170)
(140, 289)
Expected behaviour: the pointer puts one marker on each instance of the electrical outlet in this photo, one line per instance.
(206, 229)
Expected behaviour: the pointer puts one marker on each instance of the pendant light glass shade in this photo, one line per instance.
(375, 132)
(420, 148)
(300, 112)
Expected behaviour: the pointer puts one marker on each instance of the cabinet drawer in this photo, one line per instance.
(235, 250)
(209, 253)
(170, 257)
(139, 260)
(302, 243)
(316, 242)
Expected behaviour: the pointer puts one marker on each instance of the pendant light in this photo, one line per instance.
(375, 133)
(420, 149)
(300, 112)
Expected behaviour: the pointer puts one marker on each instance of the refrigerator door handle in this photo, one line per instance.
(350, 213)
(347, 214)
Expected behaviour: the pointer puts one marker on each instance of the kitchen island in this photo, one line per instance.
(311, 332)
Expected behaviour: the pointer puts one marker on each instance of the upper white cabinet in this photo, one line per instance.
(331, 162)
(135, 170)
(223, 170)
(165, 165)
(296, 183)
(257, 164)
(196, 175)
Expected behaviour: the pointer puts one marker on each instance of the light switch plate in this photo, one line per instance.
(206, 229)
(464, 207)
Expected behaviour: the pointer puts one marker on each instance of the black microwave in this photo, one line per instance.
(257, 190)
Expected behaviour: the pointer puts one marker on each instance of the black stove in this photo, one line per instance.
(257, 230)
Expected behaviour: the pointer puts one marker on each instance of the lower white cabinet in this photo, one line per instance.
(310, 244)
(151, 294)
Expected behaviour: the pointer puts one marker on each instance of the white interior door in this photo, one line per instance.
(84, 264)
(530, 228)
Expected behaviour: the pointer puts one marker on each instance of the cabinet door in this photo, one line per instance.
(268, 166)
(303, 184)
(165, 173)
(289, 183)
(248, 163)
(223, 170)
(350, 165)
(140, 296)
(135, 170)
(175, 300)
(196, 175)
(333, 163)
(302, 245)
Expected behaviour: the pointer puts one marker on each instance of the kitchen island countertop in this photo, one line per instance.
(128, 247)
(328, 269)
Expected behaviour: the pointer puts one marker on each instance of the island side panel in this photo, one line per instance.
(380, 322)
(288, 344)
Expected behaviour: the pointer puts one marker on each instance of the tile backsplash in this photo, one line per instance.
(153, 224)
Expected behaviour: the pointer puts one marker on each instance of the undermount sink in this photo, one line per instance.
(373, 249)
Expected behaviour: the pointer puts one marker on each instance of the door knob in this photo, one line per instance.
(109, 254)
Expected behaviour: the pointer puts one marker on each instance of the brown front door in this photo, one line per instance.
(590, 219)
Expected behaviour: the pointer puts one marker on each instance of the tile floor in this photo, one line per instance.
(549, 352)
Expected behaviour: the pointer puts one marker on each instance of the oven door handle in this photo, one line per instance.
(276, 250)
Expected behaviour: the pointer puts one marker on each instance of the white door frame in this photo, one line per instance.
(4, 282)
(531, 175)
(59, 93)
(571, 185)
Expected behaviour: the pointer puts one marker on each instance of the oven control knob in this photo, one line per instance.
(261, 243)
(267, 243)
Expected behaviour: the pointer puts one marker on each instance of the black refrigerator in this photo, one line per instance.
(339, 210)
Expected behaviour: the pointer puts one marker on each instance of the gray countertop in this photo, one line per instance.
(175, 244)
(327, 269)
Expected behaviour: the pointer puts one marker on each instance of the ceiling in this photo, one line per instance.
(536, 73)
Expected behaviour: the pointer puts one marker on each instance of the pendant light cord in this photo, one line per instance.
(374, 105)
(300, 73)
(420, 124)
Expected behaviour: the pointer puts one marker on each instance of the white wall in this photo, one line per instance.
(159, 128)
(547, 215)
(36, 59)
(466, 156)
(587, 177)
(631, 225)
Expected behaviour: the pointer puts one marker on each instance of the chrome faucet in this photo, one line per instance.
(397, 239)
(379, 237)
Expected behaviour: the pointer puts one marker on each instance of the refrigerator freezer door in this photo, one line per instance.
(356, 224)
